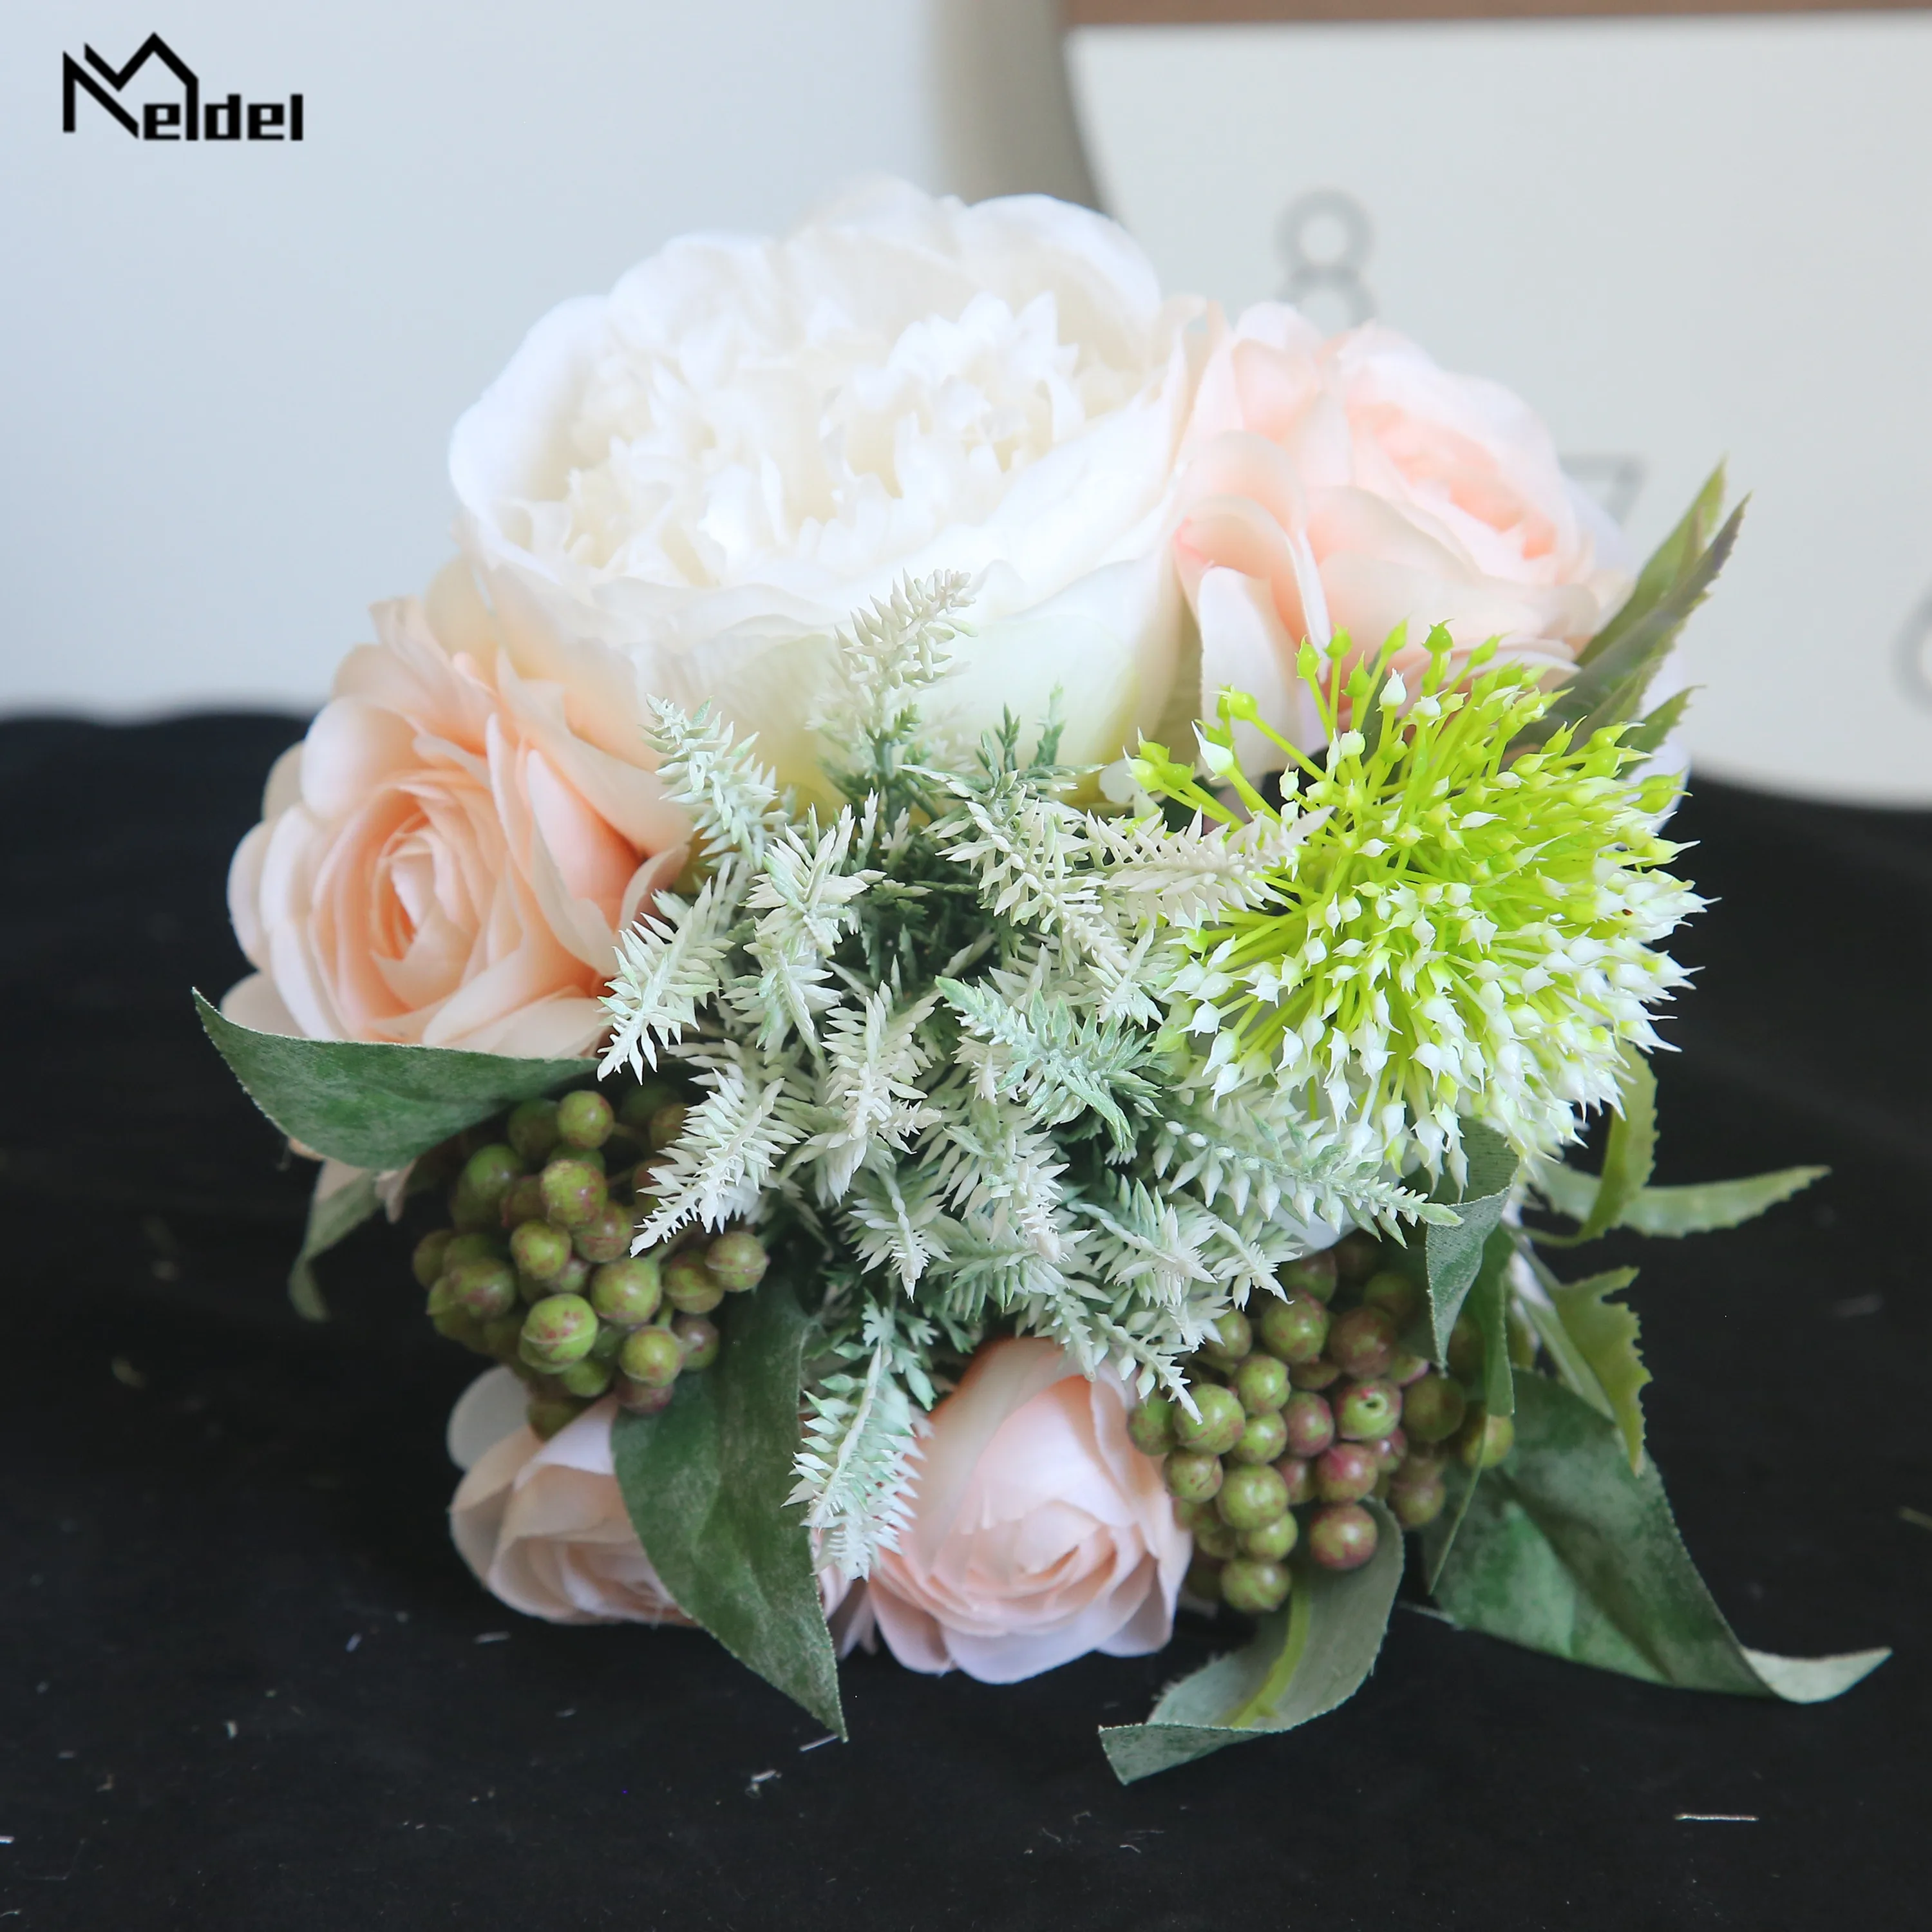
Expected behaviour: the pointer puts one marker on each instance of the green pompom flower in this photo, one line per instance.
(1465, 931)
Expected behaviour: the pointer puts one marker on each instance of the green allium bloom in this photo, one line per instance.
(1461, 933)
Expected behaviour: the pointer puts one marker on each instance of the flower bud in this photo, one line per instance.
(1358, 1255)
(1407, 1368)
(665, 1124)
(652, 1357)
(1417, 1503)
(1395, 1295)
(584, 1119)
(1318, 1374)
(1254, 1588)
(1250, 1496)
(427, 1261)
(1213, 1537)
(479, 1244)
(698, 1338)
(610, 1342)
(607, 1238)
(548, 1414)
(1203, 1580)
(500, 1336)
(1368, 1409)
(587, 1379)
(470, 1213)
(637, 1107)
(1391, 1451)
(1313, 1274)
(1192, 1474)
(1297, 1474)
(1230, 1337)
(539, 1251)
(1484, 1439)
(646, 1177)
(1265, 1438)
(1273, 1541)
(1362, 1342)
(1342, 1536)
(1216, 1425)
(1310, 1422)
(689, 1286)
(482, 1289)
(559, 1331)
(531, 1131)
(1150, 1425)
(627, 1292)
(639, 1400)
(1465, 1349)
(1262, 1384)
(524, 1202)
(1296, 1329)
(489, 1174)
(1346, 1472)
(1432, 1409)
(737, 1261)
(574, 1191)
(574, 1277)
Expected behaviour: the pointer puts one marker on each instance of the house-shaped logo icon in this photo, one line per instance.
(186, 119)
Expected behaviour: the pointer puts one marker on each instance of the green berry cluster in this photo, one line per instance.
(1301, 1414)
(536, 1269)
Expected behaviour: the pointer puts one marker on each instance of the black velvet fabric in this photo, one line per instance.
(246, 1678)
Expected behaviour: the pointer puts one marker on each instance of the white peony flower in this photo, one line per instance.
(680, 489)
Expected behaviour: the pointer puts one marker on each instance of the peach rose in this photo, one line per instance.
(543, 1526)
(1350, 484)
(443, 860)
(1039, 1531)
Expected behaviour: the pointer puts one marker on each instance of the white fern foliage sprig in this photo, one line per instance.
(933, 1036)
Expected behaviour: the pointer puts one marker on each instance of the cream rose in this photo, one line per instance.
(1039, 1532)
(543, 1526)
(443, 860)
(680, 489)
(1350, 484)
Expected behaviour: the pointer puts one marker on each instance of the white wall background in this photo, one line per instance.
(230, 371)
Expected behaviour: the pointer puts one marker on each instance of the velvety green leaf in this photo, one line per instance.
(1566, 1549)
(1605, 1334)
(377, 1106)
(1452, 1256)
(1303, 1661)
(705, 1483)
(1673, 1211)
(1631, 1153)
(332, 1218)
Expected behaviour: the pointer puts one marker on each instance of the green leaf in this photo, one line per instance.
(1304, 1662)
(1615, 669)
(332, 1218)
(1631, 1153)
(1567, 1550)
(1452, 1256)
(1653, 727)
(705, 1483)
(1488, 1304)
(1605, 1334)
(377, 1106)
(1665, 566)
(1674, 1211)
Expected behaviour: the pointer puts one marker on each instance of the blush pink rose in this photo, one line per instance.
(1350, 484)
(444, 861)
(543, 1526)
(1039, 1532)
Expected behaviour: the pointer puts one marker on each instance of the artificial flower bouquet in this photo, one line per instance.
(984, 909)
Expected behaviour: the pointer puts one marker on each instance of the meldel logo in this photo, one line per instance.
(185, 119)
